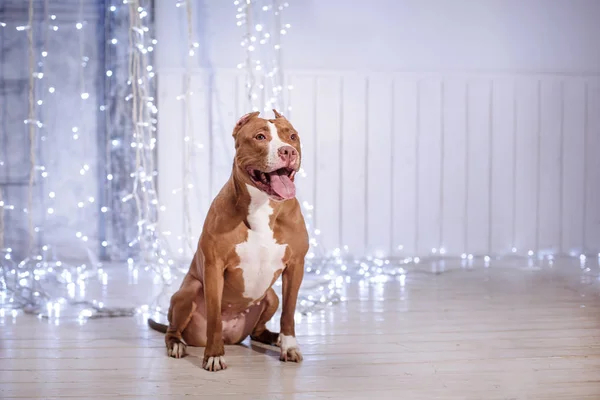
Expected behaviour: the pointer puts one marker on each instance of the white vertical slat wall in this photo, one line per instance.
(403, 164)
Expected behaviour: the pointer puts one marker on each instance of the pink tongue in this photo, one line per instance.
(282, 185)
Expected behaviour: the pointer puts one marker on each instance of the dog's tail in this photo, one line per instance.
(157, 326)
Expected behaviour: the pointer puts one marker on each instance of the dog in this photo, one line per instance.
(254, 232)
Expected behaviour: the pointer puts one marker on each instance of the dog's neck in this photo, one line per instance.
(250, 203)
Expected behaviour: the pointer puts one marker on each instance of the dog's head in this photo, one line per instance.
(267, 154)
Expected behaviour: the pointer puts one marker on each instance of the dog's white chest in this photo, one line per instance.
(260, 255)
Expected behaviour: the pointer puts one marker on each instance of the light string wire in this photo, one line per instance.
(189, 131)
(262, 37)
(279, 30)
(189, 139)
(157, 255)
(137, 140)
(108, 194)
(2, 248)
(27, 293)
(159, 305)
(143, 140)
(1, 217)
(250, 75)
(32, 133)
(78, 131)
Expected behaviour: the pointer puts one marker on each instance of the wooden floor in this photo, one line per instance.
(503, 332)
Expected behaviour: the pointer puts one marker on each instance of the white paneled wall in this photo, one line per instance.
(403, 163)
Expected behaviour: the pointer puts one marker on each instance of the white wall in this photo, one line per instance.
(466, 124)
(533, 35)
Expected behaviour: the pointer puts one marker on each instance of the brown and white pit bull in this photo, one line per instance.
(253, 233)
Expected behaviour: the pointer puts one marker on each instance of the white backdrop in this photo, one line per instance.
(467, 126)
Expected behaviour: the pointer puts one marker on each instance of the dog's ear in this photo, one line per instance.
(242, 121)
(277, 114)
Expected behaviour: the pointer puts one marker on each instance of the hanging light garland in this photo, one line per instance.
(43, 284)
(263, 28)
(23, 283)
(189, 137)
(332, 269)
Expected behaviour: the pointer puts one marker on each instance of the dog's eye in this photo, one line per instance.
(260, 136)
(293, 136)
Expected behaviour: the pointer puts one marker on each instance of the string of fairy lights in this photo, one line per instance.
(263, 28)
(22, 283)
(189, 138)
(43, 283)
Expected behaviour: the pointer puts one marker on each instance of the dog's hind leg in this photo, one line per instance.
(261, 333)
(180, 313)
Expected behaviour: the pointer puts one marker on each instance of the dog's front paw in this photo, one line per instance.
(291, 355)
(290, 352)
(216, 363)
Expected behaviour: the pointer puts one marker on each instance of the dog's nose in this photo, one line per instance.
(288, 154)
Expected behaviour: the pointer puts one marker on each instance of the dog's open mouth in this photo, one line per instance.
(278, 184)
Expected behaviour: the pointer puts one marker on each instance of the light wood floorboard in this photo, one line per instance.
(498, 333)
